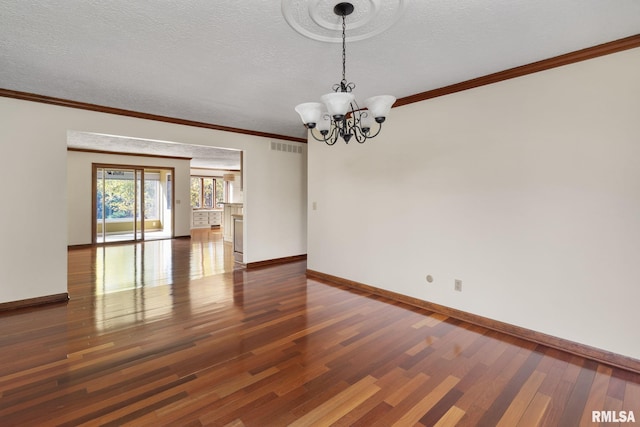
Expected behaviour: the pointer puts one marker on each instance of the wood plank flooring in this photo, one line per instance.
(169, 333)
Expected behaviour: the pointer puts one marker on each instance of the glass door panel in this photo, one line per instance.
(99, 217)
(139, 206)
(132, 204)
(115, 204)
(158, 220)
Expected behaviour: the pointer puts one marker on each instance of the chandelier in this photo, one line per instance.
(338, 115)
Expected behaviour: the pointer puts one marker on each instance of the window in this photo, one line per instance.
(169, 189)
(219, 193)
(206, 192)
(152, 195)
(118, 193)
(196, 192)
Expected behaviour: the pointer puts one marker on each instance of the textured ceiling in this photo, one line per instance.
(238, 63)
(201, 156)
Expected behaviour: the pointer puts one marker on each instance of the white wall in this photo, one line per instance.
(268, 210)
(235, 188)
(527, 190)
(34, 242)
(79, 178)
(33, 212)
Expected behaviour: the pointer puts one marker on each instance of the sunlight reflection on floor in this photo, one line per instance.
(149, 264)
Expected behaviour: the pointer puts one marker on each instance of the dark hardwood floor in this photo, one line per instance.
(169, 333)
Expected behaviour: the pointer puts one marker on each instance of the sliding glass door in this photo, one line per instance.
(132, 203)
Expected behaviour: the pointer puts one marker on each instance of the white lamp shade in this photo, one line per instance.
(379, 106)
(366, 120)
(337, 102)
(310, 112)
(324, 123)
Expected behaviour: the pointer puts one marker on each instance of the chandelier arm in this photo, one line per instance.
(341, 125)
(359, 135)
(376, 134)
(311, 131)
(332, 136)
(330, 139)
(346, 130)
(356, 116)
(358, 125)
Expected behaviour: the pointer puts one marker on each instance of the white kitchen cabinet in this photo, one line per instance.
(230, 209)
(206, 218)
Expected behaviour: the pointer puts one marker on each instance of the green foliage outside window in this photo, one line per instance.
(118, 195)
(196, 193)
(206, 192)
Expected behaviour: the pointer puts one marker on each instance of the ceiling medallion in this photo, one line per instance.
(315, 18)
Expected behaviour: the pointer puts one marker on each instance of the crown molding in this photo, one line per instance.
(122, 153)
(26, 96)
(546, 64)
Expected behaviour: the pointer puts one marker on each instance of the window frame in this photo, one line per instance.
(214, 198)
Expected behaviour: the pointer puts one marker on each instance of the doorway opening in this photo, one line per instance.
(132, 203)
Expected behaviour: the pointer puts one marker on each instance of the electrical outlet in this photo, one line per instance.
(457, 285)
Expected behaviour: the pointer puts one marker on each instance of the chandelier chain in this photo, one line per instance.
(344, 49)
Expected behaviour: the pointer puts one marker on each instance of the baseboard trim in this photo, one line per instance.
(32, 302)
(275, 261)
(593, 353)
